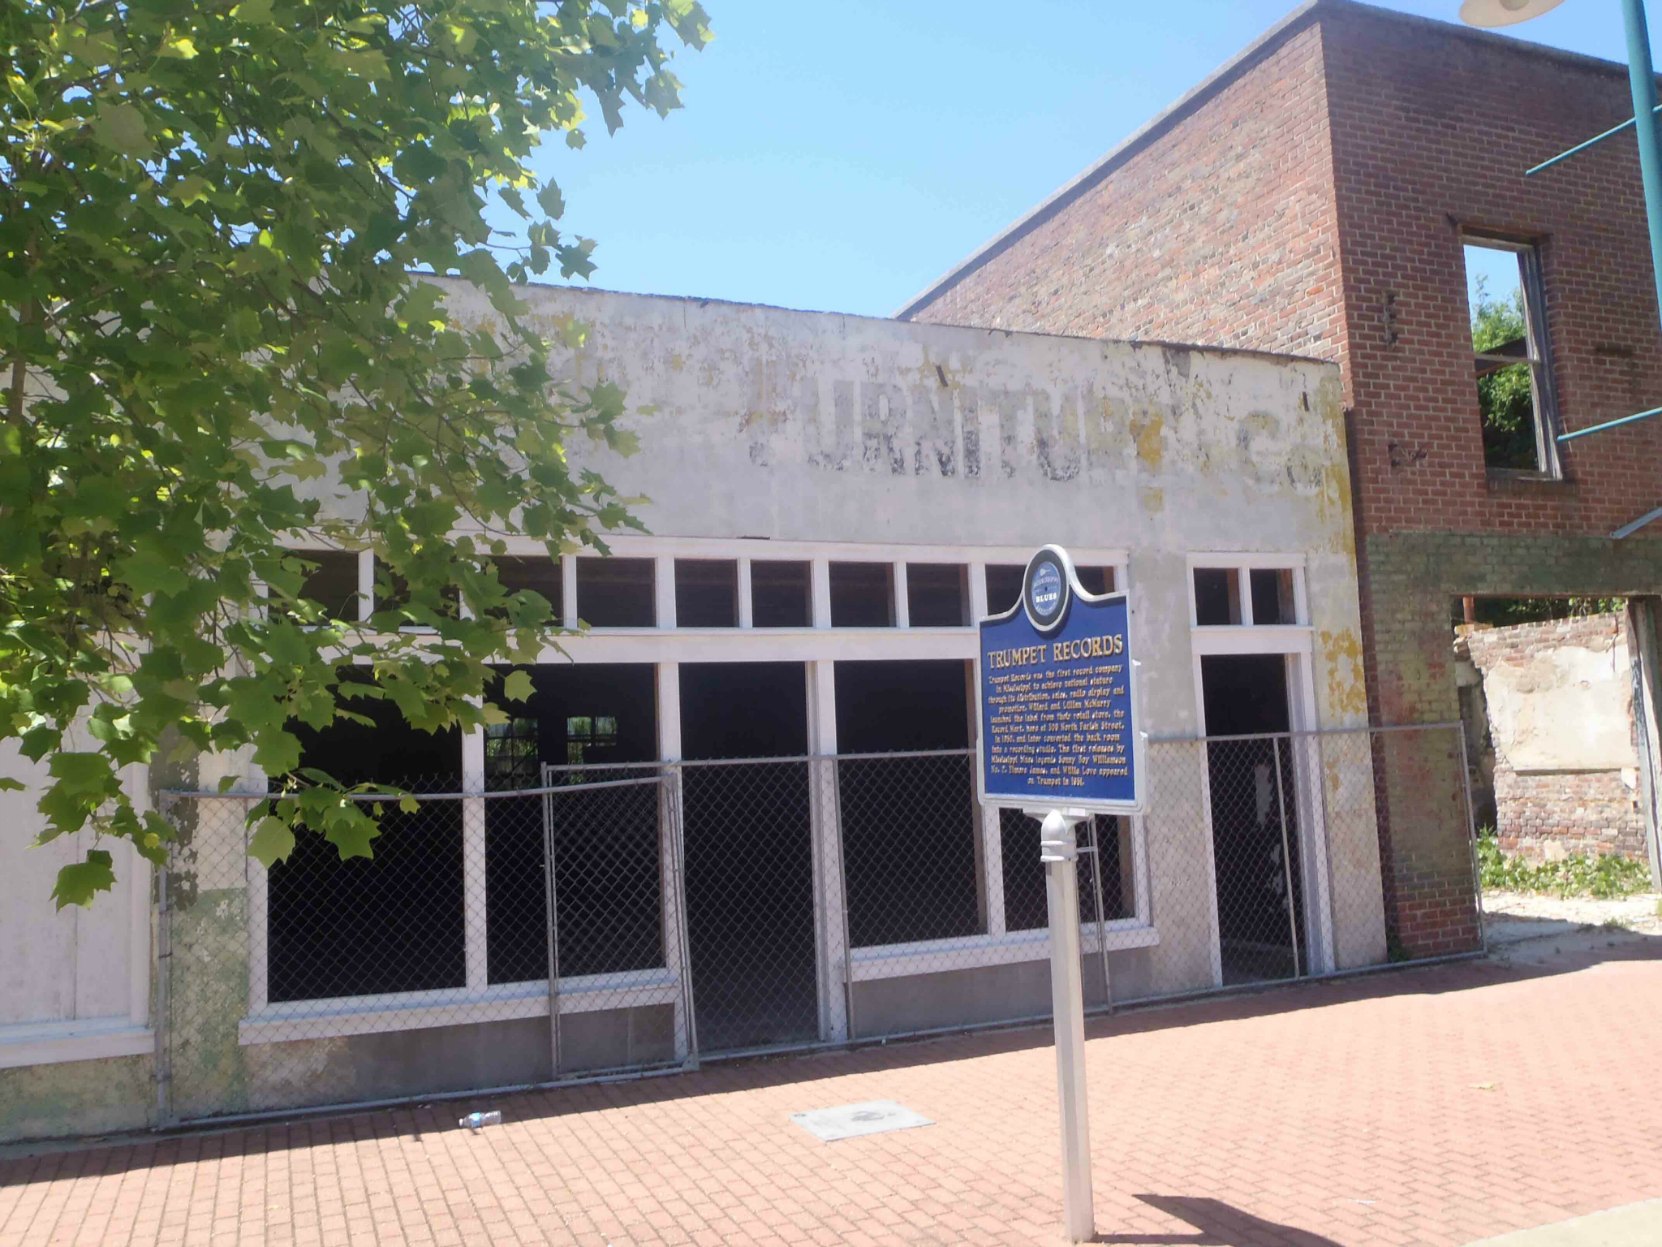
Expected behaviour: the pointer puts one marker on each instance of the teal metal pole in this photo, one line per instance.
(1581, 147)
(1610, 424)
(1643, 80)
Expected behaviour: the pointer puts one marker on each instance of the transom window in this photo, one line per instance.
(1246, 591)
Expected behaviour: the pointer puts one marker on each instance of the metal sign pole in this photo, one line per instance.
(1059, 851)
(1055, 705)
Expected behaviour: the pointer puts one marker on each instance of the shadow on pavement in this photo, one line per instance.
(1218, 1224)
(1536, 958)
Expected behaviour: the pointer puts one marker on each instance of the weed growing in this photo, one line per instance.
(1604, 876)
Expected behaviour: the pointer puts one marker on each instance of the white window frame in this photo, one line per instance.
(665, 647)
(1296, 644)
(1542, 384)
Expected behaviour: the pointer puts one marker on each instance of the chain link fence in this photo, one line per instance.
(696, 909)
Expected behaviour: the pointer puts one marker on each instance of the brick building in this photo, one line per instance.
(1324, 193)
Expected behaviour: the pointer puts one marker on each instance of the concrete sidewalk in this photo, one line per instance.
(1439, 1105)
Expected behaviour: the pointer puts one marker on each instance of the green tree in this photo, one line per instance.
(1504, 396)
(218, 341)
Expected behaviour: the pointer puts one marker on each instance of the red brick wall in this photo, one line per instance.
(1217, 230)
(1433, 129)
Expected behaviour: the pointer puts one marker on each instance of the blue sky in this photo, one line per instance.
(841, 156)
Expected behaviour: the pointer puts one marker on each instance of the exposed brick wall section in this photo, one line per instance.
(1551, 814)
(1218, 230)
(1546, 817)
(1415, 578)
(1432, 130)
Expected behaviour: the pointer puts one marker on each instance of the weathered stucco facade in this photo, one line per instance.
(835, 441)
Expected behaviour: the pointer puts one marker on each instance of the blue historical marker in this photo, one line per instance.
(1054, 692)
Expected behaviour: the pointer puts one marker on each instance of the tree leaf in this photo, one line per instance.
(80, 881)
(517, 686)
(121, 127)
(272, 842)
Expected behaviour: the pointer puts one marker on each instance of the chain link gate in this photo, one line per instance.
(714, 908)
(620, 996)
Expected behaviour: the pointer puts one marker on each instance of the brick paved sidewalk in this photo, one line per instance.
(1436, 1106)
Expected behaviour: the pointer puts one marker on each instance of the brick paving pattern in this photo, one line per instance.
(1433, 1106)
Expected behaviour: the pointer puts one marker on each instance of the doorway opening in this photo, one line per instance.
(1255, 822)
(607, 881)
(748, 849)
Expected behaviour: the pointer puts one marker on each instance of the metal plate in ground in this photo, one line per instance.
(849, 1121)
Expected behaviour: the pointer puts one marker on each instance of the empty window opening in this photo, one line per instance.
(534, 573)
(781, 594)
(387, 923)
(748, 854)
(706, 593)
(606, 876)
(924, 883)
(1003, 586)
(1255, 823)
(937, 595)
(1273, 598)
(616, 593)
(1025, 906)
(862, 595)
(332, 582)
(1514, 391)
(1217, 596)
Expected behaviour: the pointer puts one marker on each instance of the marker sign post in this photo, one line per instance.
(1055, 700)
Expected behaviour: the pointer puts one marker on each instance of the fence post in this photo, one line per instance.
(1471, 837)
(551, 923)
(1286, 856)
(675, 893)
(162, 995)
(1101, 925)
(830, 898)
(1059, 850)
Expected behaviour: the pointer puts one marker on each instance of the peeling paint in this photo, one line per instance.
(1146, 430)
(1341, 655)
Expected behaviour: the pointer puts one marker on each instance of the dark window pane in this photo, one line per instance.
(389, 923)
(925, 884)
(1217, 595)
(781, 595)
(706, 593)
(937, 595)
(1025, 904)
(333, 582)
(1098, 580)
(1025, 907)
(1003, 586)
(1113, 838)
(536, 573)
(862, 595)
(1272, 596)
(616, 593)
